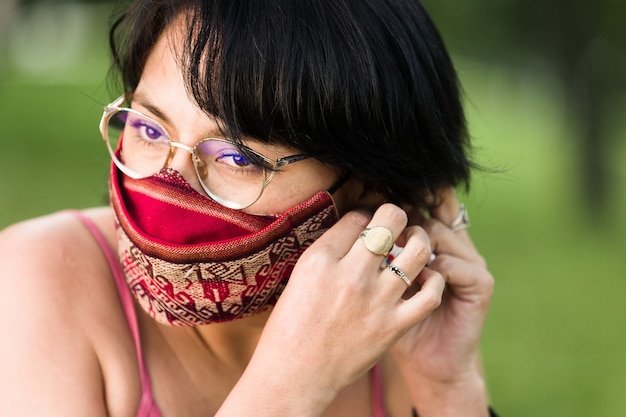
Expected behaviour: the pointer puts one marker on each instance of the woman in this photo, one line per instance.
(260, 143)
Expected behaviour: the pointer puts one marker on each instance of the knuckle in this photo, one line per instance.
(358, 218)
(352, 285)
(432, 300)
(489, 283)
(393, 213)
(419, 249)
(314, 258)
(422, 234)
(444, 262)
(420, 254)
(481, 261)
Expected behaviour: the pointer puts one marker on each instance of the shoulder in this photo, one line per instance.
(47, 258)
(36, 250)
(52, 232)
(55, 289)
(59, 227)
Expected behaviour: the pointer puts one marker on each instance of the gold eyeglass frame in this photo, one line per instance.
(268, 172)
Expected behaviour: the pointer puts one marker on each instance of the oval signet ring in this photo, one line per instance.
(378, 240)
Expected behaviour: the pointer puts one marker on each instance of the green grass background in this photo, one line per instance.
(554, 343)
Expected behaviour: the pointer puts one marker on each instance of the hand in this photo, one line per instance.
(341, 311)
(443, 349)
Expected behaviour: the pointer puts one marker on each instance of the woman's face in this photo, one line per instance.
(161, 94)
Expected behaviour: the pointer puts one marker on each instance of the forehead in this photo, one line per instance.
(161, 92)
(162, 95)
(162, 76)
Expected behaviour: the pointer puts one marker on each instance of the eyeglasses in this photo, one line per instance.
(141, 147)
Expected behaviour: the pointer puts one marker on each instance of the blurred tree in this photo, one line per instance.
(582, 42)
(7, 13)
(586, 51)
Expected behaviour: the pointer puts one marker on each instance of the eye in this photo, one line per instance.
(232, 156)
(227, 159)
(147, 129)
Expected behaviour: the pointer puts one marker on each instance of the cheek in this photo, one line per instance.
(279, 197)
(288, 189)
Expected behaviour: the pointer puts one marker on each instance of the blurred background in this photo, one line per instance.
(545, 96)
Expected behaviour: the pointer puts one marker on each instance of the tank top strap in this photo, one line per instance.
(378, 397)
(147, 406)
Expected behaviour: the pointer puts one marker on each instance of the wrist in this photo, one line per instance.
(465, 396)
(264, 390)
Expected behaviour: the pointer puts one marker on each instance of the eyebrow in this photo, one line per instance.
(143, 101)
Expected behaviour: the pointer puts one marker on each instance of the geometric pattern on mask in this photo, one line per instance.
(192, 294)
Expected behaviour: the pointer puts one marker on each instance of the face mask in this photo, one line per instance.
(191, 261)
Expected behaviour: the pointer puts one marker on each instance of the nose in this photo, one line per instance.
(182, 161)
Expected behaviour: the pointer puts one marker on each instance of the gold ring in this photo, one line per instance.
(462, 220)
(399, 273)
(378, 240)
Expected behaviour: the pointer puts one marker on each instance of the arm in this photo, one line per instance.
(47, 363)
(341, 312)
(439, 358)
(337, 317)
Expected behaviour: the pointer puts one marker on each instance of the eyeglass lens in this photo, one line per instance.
(227, 174)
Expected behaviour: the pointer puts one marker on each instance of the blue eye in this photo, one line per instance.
(151, 132)
(227, 158)
(234, 158)
(147, 130)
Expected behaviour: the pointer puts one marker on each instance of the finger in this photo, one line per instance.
(389, 216)
(340, 238)
(444, 240)
(448, 207)
(460, 273)
(413, 256)
(413, 310)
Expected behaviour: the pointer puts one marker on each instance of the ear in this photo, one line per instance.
(355, 195)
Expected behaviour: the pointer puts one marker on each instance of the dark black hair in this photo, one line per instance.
(363, 85)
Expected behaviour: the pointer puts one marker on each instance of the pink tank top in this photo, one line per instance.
(147, 405)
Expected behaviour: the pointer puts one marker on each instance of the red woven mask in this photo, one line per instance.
(191, 261)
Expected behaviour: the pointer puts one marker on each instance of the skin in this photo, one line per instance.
(69, 352)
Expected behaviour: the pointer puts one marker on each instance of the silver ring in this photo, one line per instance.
(378, 240)
(462, 220)
(399, 273)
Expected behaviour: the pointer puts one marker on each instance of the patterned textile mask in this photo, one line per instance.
(191, 261)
